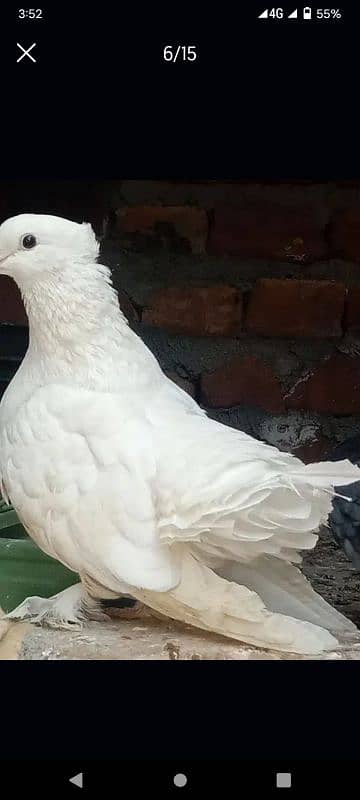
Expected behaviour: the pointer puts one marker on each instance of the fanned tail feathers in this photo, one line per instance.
(254, 594)
(206, 600)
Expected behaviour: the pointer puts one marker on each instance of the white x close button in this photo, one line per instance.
(26, 52)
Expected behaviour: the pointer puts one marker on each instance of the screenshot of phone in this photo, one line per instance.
(179, 398)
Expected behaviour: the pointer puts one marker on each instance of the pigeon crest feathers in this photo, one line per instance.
(32, 243)
(67, 294)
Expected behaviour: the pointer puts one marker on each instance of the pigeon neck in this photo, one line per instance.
(74, 314)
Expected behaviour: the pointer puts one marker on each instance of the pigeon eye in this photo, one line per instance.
(28, 241)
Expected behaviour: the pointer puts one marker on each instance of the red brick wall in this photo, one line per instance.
(298, 247)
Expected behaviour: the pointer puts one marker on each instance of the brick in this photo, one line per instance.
(179, 228)
(352, 311)
(268, 232)
(332, 388)
(292, 308)
(245, 381)
(11, 305)
(215, 310)
(313, 452)
(184, 383)
(344, 234)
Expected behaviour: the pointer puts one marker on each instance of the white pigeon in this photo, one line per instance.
(121, 476)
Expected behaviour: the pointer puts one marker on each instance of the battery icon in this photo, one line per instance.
(307, 12)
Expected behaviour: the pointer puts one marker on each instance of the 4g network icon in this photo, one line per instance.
(306, 13)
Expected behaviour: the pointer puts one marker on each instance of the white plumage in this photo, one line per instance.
(120, 475)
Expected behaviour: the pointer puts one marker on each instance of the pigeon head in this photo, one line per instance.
(68, 296)
(34, 246)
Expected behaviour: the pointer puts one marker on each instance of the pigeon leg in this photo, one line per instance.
(68, 609)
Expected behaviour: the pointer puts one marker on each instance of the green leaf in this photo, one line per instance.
(25, 571)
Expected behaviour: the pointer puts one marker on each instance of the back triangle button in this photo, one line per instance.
(78, 780)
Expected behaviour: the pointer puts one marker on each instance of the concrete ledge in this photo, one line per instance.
(11, 639)
(139, 639)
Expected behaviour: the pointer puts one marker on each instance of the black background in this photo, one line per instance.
(223, 778)
(265, 100)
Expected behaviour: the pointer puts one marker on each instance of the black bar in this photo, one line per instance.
(164, 778)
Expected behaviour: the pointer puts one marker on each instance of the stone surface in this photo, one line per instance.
(207, 311)
(246, 381)
(316, 451)
(331, 388)
(292, 308)
(146, 640)
(11, 638)
(333, 576)
(289, 431)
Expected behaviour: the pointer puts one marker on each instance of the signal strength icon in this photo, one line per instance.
(264, 14)
(293, 15)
